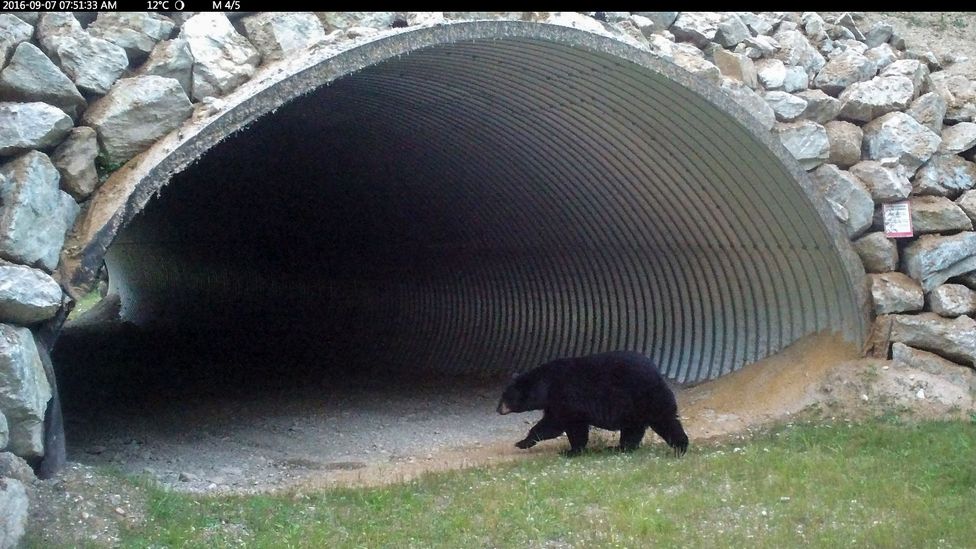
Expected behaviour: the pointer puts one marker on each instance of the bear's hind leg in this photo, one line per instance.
(545, 429)
(631, 437)
(579, 435)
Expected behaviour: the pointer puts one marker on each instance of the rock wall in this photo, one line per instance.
(869, 120)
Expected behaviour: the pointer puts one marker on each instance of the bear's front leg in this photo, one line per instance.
(546, 428)
(579, 435)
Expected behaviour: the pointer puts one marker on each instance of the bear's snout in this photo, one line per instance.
(503, 408)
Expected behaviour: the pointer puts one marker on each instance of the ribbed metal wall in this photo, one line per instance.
(491, 204)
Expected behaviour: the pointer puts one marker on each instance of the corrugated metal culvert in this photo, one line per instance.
(488, 196)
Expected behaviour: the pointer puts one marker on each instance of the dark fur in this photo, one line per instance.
(618, 391)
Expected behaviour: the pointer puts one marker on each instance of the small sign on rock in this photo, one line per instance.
(897, 219)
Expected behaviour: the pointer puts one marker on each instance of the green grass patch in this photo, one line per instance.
(879, 484)
(85, 304)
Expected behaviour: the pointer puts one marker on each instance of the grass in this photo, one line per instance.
(883, 483)
(85, 304)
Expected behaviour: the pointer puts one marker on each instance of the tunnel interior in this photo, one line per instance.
(478, 206)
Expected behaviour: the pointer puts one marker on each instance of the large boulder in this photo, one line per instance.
(786, 106)
(36, 125)
(821, 108)
(843, 70)
(24, 390)
(34, 213)
(954, 339)
(31, 76)
(137, 32)
(968, 204)
(795, 49)
(279, 34)
(737, 66)
(934, 259)
(958, 138)
(895, 292)
(93, 64)
(13, 512)
(222, 58)
(929, 110)
(952, 300)
(136, 113)
(897, 135)
(171, 59)
(850, 200)
(944, 175)
(878, 253)
(914, 70)
(938, 214)
(13, 31)
(845, 143)
(865, 101)
(27, 295)
(883, 181)
(75, 160)
(750, 101)
(697, 27)
(771, 73)
(957, 86)
(806, 140)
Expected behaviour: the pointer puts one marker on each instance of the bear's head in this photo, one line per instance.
(529, 391)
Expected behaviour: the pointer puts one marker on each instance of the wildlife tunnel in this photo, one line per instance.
(477, 197)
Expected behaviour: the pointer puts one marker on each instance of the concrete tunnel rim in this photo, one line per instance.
(127, 191)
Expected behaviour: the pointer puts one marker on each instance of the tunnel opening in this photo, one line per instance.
(503, 195)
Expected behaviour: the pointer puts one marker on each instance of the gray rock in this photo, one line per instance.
(24, 390)
(845, 143)
(170, 59)
(883, 181)
(661, 47)
(945, 175)
(968, 204)
(34, 125)
(912, 69)
(821, 108)
(796, 79)
(846, 21)
(837, 32)
(662, 19)
(787, 26)
(55, 28)
(878, 34)
(895, 292)
(897, 41)
(865, 101)
(278, 34)
(698, 66)
(93, 64)
(929, 58)
(341, 20)
(929, 110)
(957, 374)
(847, 196)
(135, 113)
(786, 106)
(137, 32)
(881, 56)
(75, 160)
(697, 27)
(771, 73)
(628, 32)
(954, 339)
(767, 45)
(806, 140)
(12, 466)
(795, 49)
(13, 32)
(952, 300)
(750, 101)
(814, 26)
(222, 58)
(731, 31)
(644, 24)
(758, 24)
(737, 66)
(848, 45)
(937, 214)
(4, 439)
(958, 138)
(934, 259)
(31, 76)
(843, 70)
(957, 86)
(27, 295)
(899, 136)
(878, 253)
(34, 213)
(13, 508)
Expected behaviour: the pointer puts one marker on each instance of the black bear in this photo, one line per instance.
(619, 390)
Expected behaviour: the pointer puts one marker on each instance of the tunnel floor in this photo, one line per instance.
(159, 405)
